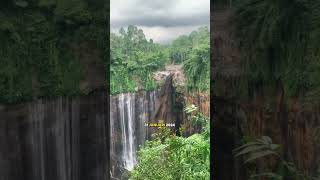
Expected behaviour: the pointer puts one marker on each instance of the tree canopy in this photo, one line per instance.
(38, 42)
(134, 59)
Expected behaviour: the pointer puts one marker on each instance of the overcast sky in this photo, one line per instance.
(161, 20)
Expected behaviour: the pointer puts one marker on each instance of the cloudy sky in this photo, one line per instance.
(161, 20)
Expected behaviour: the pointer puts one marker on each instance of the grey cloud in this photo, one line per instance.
(166, 14)
(157, 4)
(162, 21)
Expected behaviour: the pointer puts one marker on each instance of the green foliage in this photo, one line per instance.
(197, 119)
(193, 51)
(133, 59)
(38, 38)
(258, 149)
(196, 64)
(264, 148)
(180, 49)
(175, 158)
(280, 43)
(197, 69)
(171, 157)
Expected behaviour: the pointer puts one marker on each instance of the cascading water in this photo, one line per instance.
(126, 105)
(128, 114)
(61, 139)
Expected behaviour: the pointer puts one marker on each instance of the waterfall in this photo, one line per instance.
(128, 114)
(61, 139)
(126, 106)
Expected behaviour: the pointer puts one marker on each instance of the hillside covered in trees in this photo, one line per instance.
(134, 59)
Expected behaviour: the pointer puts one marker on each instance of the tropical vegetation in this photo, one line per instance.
(252, 150)
(134, 59)
(168, 156)
(38, 50)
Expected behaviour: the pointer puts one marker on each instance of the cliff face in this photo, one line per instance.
(165, 105)
(289, 122)
(65, 139)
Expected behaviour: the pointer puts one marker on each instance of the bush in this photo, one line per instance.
(169, 157)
